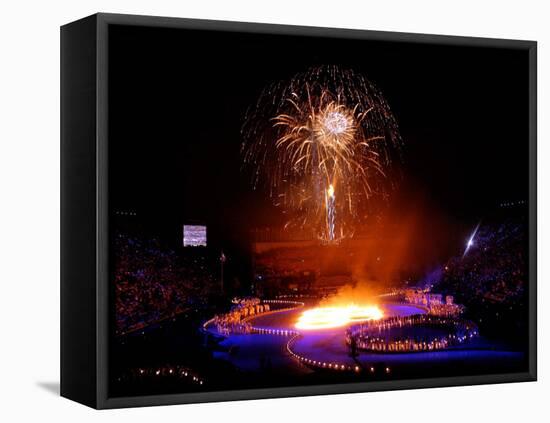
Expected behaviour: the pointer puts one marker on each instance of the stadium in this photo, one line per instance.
(302, 223)
(320, 325)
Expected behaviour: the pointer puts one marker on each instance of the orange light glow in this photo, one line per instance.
(337, 316)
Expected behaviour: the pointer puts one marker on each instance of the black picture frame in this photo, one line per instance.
(85, 220)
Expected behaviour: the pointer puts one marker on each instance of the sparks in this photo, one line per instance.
(336, 122)
(330, 190)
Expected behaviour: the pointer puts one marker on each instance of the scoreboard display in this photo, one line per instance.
(194, 236)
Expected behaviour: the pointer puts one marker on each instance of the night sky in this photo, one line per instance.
(178, 98)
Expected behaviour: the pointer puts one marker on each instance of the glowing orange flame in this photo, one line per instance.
(333, 317)
(330, 191)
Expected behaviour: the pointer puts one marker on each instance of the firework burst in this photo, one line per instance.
(322, 143)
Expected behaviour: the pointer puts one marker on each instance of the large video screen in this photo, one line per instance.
(194, 236)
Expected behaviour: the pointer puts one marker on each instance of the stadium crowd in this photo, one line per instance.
(490, 279)
(494, 268)
(153, 283)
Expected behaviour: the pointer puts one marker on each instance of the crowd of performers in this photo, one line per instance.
(234, 321)
(434, 303)
(376, 335)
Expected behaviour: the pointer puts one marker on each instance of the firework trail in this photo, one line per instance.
(322, 143)
(331, 214)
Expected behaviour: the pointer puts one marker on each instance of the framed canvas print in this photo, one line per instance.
(257, 211)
